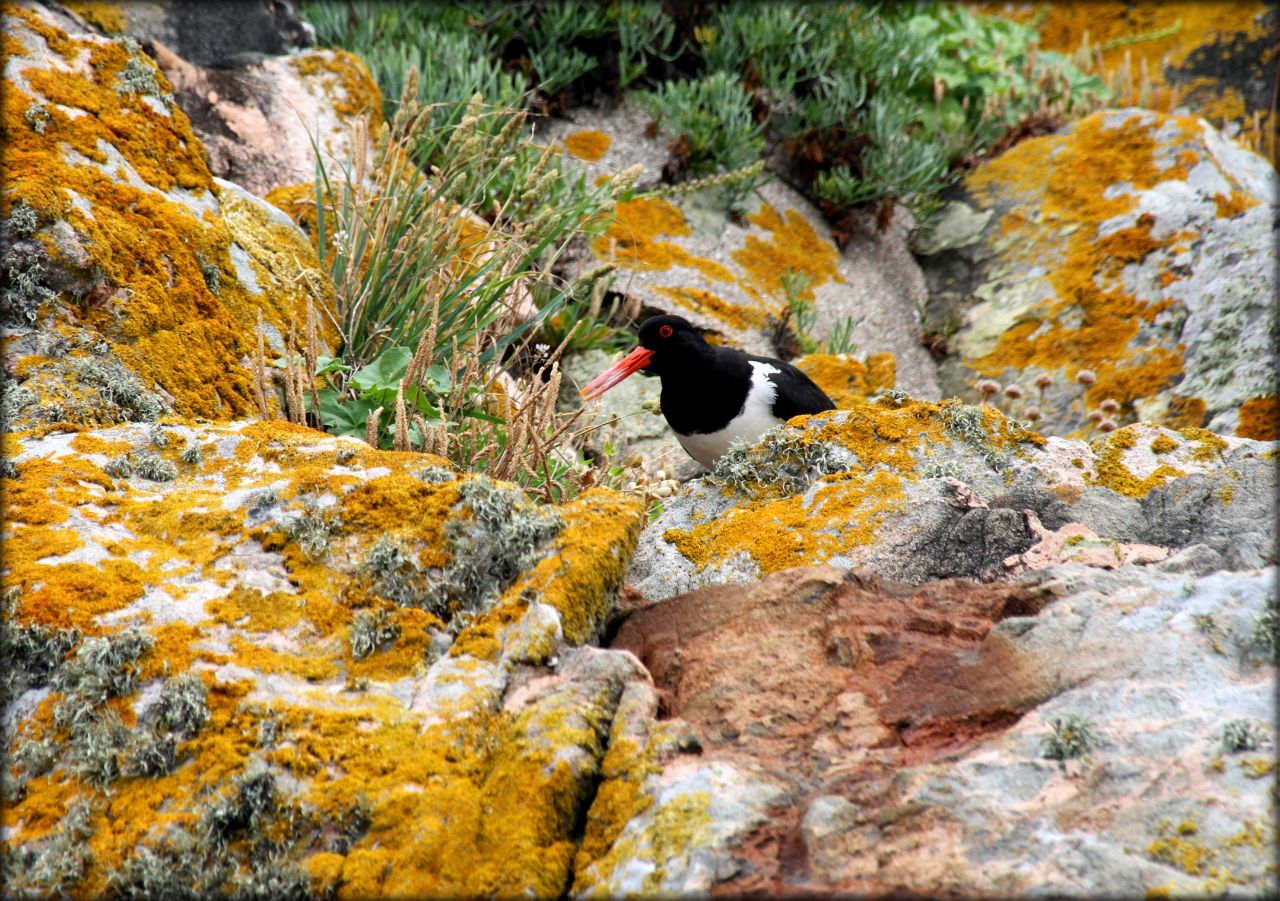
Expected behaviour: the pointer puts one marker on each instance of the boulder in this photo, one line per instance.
(261, 122)
(138, 278)
(685, 255)
(919, 491)
(1129, 261)
(214, 33)
(228, 639)
(1078, 731)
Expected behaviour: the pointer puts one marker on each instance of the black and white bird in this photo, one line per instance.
(713, 396)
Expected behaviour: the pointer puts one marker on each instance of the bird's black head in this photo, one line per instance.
(669, 345)
(673, 340)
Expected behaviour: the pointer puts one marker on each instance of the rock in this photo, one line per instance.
(239, 568)
(214, 33)
(1209, 60)
(143, 277)
(259, 120)
(923, 491)
(687, 257)
(911, 727)
(1138, 246)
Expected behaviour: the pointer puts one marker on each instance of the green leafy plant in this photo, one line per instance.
(712, 126)
(1071, 737)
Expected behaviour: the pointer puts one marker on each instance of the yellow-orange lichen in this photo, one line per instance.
(337, 68)
(1091, 321)
(632, 239)
(1260, 419)
(588, 145)
(792, 247)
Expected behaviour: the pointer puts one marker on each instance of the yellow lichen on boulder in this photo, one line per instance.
(272, 567)
(141, 261)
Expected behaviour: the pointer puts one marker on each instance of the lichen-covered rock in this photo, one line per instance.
(214, 33)
(685, 256)
(258, 657)
(1078, 732)
(140, 277)
(918, 491)
(1139, 247)
(258, 121)
(1211, 59)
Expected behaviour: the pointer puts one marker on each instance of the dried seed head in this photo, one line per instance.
(1110, 405)
(987, 387)
(1044, 381)
(1096, 416)
(1086, 376)
(1013, 392)
(1033, 413)
(1107, 425)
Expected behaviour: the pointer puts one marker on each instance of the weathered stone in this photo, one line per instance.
(250, 566)
(1138, 246)
(146, 277)
(687, 257)
(258, 121)
(926, 491)
(911, 728)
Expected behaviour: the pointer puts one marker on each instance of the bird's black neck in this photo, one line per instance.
(702, 393)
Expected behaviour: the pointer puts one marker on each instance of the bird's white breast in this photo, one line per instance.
(755, 418)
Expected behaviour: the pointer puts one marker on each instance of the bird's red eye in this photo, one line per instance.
(666, 331)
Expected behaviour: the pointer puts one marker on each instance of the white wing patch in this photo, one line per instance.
(754, 419)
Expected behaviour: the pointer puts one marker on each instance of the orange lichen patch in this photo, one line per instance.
(76, 594)
(883, 436)
(404, 658)
(882, 372)
(1155, 38)
(1231, 206)
(316, 666)
(1163, 444)
(588, 145)
(1260, 419)
(151, 229)
(840, 375)
(792, 246)
(631, 239)
(700, 300)
(586, 565)
(1209, 445)
(1186, 413)
(340, 69)
(1112, 473)
(255, 611)
(45, 488)
(92, 444)
(845, 512)
(107, 16)
(1091, 321)
(32, 544)
(399, 504)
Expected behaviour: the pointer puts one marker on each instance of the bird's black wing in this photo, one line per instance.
(797, 394)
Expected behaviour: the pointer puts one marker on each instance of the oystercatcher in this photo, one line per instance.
(713, 396)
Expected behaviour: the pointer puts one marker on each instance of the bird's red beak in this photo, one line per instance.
(636, 360)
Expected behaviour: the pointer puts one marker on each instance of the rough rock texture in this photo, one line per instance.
(685, 256)
(210, 33)
(137, 278)
(918, 491)
(1211, 59)
(909, 729)
(258, 121)
(250, 633)
(1135, 245)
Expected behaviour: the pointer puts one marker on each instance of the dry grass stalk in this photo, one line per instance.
(371, 427)
(260, 373)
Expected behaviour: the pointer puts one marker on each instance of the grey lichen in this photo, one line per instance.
(1265, 634)
(37, 116)
(212, 274)
(370, 630)
(143, 464)
(60, 862)
(26, 285)
(436, 474)
(119, 388)
(503, 537)
(139, 75)
(779, 460)
(13, 400)
(965, 421)
(23, 220)
(397, 576)
(32, 653)
(312, 531)
(191, 454)
(158, 437)
(1244, 735)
